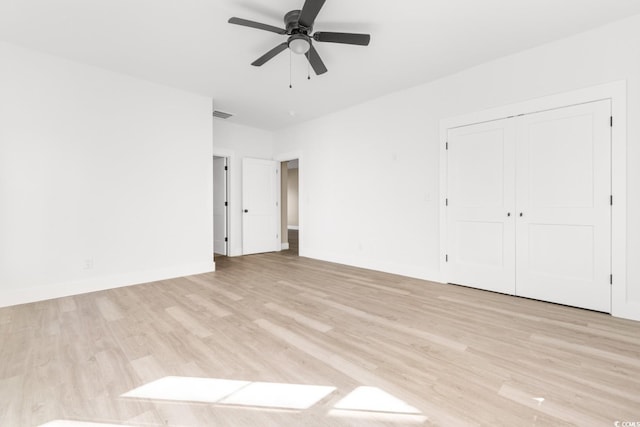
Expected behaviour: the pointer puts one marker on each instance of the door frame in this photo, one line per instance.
(617, 93)
(232, 172)
(226, 209)
(284, 204)
(285, 157)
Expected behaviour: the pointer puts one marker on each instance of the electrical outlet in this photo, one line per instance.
(88, 264)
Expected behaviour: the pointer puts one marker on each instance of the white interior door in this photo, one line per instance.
(563, 185)
(220, 207)
(480, 210)
(261, 211)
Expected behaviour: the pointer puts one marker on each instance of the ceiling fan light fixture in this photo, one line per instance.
(299, 44)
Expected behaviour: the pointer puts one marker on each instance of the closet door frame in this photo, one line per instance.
(621, 306)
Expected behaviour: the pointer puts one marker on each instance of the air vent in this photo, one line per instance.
(221, 114)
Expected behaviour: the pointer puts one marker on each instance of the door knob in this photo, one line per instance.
(508, 213)
(520, 213)
(247, 211)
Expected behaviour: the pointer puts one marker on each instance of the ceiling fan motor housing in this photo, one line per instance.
(293, 26)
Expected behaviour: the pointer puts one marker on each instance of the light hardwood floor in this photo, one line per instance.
(293, 242)
(390, 351)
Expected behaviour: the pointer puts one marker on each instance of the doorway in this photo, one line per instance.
(220, 206)
(290, 206)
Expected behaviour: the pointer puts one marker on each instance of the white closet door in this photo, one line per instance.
(563, 184)
(480, 212)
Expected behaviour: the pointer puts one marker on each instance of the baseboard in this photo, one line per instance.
(415, 272)
(293, 227)
(626, 310)
(285, 246)
(94, 284)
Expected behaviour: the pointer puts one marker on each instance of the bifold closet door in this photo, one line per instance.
(563, 188)
(480, 210)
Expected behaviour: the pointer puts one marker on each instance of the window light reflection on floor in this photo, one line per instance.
(364, 402)
(274, 395)
(374, 403)
(187, 389)
(376, 400)
(69, 423)
(233, 392)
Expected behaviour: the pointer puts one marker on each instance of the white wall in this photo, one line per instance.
(371, 172)
(105, 180)
(237, 142)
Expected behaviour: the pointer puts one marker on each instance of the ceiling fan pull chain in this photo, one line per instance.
(290, 85)
(308, 70)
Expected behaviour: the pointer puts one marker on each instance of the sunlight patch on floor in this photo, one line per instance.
(376, 404)
(374, 399)
(69, 423)
(274, 395)
(232, 392)
(187, 389)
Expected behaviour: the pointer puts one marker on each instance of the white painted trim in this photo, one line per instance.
(283, 157)
(278, 201)
(293, 227)
(617, 93)
(580, 96)
(78, 287)
(285, 246)
(443, 194)
(229, 155)
(227, 161)
(621, 306)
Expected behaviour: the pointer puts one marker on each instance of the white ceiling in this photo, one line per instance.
(188, 44)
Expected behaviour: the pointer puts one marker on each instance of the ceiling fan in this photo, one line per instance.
(299, 28)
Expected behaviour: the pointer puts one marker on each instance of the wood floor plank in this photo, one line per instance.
(108, 308)
(207, 282)
(211, 307)
(440, 340)
(298, 317)
(12, 409)
(189, 323)
(67, 304)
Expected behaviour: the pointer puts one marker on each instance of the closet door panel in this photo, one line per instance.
(563, 227)
(480, 215)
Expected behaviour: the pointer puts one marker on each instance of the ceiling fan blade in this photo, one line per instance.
(346, 38)
(267, 56)
(309, 12)
(315, 61)
(258, 25)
